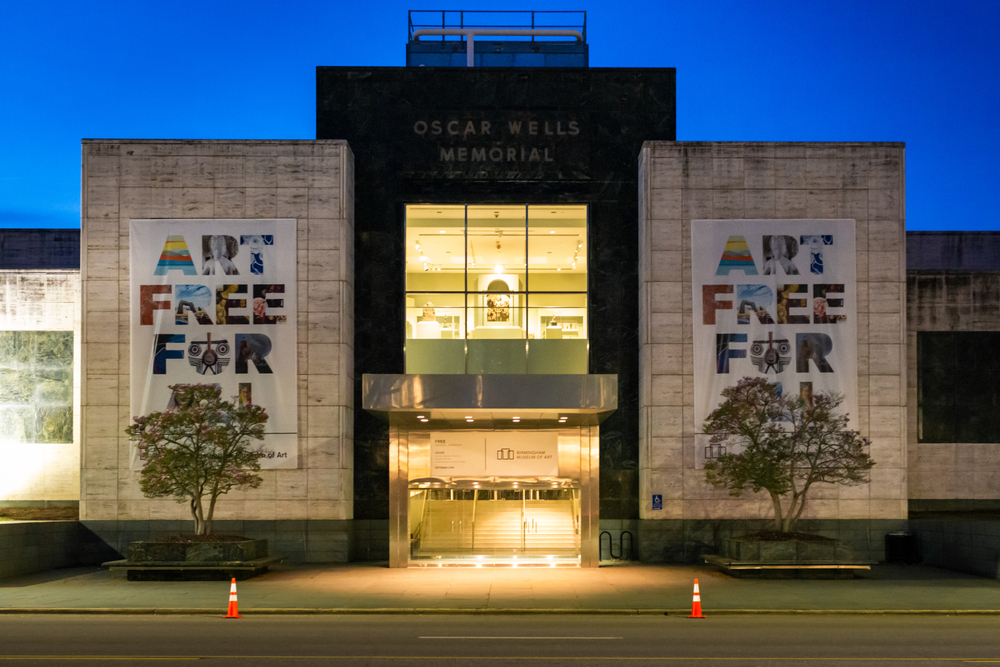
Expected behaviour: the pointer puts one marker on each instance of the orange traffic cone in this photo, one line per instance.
(695, 603)
(234, 611)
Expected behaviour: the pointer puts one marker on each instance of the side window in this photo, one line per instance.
(958, 387)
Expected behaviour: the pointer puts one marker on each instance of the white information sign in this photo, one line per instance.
(773, 299)
(214, 302)
(494, 454)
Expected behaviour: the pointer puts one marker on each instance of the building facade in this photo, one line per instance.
(488, 308)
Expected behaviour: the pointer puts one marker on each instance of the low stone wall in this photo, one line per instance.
(36, 546)
(295, 540)
(687, 541)
(968, 545)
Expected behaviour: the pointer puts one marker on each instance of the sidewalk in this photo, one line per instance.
(622, 589)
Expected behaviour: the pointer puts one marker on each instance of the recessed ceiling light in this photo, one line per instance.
(441, 232)
(423, 420)
(552, 232)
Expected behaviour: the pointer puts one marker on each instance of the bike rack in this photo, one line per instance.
(611, 545)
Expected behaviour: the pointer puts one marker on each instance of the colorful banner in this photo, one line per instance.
(774, 299)
(214, 302)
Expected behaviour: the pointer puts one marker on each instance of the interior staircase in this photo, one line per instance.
(549, 528)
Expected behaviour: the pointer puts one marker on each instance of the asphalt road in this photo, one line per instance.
(460, 641)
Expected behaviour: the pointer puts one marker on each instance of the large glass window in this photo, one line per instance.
(496, 289)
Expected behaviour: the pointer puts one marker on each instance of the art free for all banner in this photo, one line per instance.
(214, 302)
(773, 299)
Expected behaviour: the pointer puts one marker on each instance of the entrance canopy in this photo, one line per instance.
(491, 401)
(493, 469)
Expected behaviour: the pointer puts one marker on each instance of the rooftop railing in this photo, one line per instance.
(513, 25)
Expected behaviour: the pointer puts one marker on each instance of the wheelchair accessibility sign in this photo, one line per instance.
(657, 501)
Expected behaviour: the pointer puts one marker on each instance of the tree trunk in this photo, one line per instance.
(794, 508)
(211, 513)
(793, 519)
(776, 499)
(199, 516)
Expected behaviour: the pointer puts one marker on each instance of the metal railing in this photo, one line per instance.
(502, 22)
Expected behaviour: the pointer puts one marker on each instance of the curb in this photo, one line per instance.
(484, 611)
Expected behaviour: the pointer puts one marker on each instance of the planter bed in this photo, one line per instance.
(201, 560)
(809, 557)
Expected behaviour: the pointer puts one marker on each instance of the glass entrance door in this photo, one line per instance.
(512, 523)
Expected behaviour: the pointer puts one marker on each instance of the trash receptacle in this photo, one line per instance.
(901, 549)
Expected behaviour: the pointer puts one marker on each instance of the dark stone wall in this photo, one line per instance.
(295, 540)
(953, 251)
(37, 546)
(961, 544)
(34, 249)
(378, 111)
(690, 540)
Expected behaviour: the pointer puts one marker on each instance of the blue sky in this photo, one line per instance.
(878, 70)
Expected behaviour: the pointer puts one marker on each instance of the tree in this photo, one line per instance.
(204, 447)
(789, 444)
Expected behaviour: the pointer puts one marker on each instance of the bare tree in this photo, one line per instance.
(788, 445)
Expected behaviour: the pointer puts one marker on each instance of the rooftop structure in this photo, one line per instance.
(444, 38)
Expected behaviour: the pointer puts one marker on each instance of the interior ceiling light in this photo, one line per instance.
(498, 268)
(552, 232)
(441, 232)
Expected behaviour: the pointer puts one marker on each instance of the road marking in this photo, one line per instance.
(532, 637)
(488, 657)
(101, 657)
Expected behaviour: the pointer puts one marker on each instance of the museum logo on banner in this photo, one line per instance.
(773, 299)
(214, 302)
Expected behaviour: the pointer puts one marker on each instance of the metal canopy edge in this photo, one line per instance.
(578, 394)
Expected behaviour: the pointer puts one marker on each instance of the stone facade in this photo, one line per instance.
(682, 181)
(953, 284)
(42, 300)
(306, 510)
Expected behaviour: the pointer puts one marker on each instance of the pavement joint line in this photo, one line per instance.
(485, 611)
